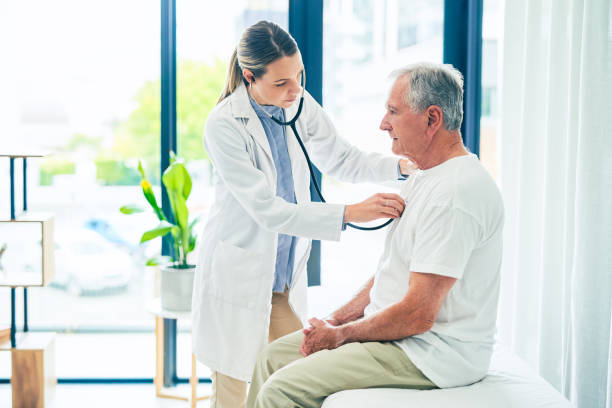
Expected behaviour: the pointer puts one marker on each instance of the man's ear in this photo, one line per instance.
(248, 75)
(434, 119)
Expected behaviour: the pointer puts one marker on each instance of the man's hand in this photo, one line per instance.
(320, 335)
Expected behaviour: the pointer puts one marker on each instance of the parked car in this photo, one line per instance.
(87, 264)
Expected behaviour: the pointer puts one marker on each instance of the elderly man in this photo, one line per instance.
(426, 319)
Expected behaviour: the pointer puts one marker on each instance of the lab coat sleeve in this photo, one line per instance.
(248, 185)
(335, 156)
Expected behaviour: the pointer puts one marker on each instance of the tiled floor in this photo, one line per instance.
(113, 396)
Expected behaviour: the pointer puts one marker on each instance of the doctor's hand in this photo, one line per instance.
(321, 335)
(381, 205)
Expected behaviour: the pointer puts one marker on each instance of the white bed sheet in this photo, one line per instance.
(510, 383)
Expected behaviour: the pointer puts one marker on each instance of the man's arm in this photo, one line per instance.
(353, 310)
(414, 314)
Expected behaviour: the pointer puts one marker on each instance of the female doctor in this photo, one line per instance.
(250, 283)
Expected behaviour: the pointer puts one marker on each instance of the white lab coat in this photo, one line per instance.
(237, 249)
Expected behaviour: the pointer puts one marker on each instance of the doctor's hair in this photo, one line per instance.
(434, 84)
(260, 44)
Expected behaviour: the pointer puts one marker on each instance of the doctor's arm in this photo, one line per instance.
(414, 314)
(250, 187)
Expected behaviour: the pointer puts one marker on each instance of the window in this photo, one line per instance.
(88, 92)
(207, 34)
(83, 86)
(370, 39)
(489, 122)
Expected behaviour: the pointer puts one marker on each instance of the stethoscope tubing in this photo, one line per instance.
(291, 124)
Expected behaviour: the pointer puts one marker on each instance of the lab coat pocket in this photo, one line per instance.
(237, 275)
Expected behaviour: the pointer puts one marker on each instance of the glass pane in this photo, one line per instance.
(82, 84)
(489, 122)
(364, 40)
(207, 34)
(21, 259)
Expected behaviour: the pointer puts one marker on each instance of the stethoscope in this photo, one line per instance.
(291, 124)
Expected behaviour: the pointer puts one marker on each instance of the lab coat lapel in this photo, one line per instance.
(241, 108)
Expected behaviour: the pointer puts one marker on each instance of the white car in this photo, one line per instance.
(87, 264)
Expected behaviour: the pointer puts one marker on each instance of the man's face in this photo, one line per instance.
(407, 129)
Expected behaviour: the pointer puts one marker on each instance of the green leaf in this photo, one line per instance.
(178, 184)
(141, 170)
(147, 191)
(162, 229)
(158, 260)
(176, 178)
(192, 234)
(131, 209)
(194, 222)
(192, 242)
(181, 212)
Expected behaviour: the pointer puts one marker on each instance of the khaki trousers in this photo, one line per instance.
(228, 392)
(283, 378)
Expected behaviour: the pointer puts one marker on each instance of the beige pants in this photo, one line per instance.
(283, 378)
(228, 392)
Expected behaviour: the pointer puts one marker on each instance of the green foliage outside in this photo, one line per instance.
(139, 135)
(53, 166)
(199, 85)
(112, 170)
(198, 88)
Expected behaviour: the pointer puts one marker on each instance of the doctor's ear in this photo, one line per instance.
(248, 75)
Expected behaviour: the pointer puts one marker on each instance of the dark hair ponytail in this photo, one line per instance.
(234, 76)
(260, 44)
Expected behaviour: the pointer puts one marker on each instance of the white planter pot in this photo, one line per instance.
(176, 286)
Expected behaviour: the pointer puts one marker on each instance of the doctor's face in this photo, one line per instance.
(407, 129)
(281, 84)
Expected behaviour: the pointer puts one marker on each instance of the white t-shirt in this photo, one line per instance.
(451, 226)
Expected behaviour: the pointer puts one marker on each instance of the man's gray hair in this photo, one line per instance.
(434, 84)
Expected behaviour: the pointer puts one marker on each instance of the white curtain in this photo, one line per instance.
(556, 178)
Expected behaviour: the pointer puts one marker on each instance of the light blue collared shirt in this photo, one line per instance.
(277, 138)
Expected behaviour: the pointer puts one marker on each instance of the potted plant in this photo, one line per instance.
(176, 279)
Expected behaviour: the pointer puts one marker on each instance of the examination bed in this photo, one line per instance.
(510, 383)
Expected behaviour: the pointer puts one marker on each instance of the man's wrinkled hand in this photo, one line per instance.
(321, 335)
